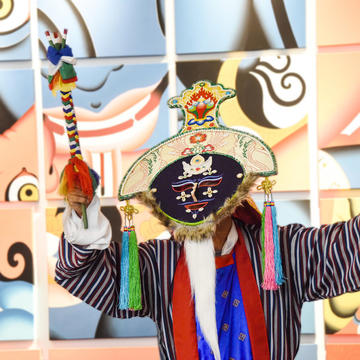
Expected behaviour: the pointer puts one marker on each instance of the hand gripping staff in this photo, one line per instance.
(62, 77)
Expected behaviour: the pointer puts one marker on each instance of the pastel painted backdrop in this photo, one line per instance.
(16, 275)
(121, 112)
(338, 84)
(133, 56)
(18, 142)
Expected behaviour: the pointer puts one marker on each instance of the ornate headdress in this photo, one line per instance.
(201, 175)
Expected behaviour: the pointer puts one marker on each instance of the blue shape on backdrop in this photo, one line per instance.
(15, 45)
(16, 295)
(16, 315)
(17, 90)
(132, 27)
(289, 212)
(162, 128)
(307, 318)
(346, 158)
(110, 327)
(107, 28)
(65, 324)
(16, 324)
(307, 352)
(104, 83)
(22, 51)
(101, 85)
(219, 26)
(209, 25)
(15, 31)
(295, 12)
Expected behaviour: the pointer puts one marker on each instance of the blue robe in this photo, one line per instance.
(233, 333)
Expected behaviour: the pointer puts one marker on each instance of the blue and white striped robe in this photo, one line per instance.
(318, 264)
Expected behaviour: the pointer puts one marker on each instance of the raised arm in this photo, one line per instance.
(325, 261)
(89, 264)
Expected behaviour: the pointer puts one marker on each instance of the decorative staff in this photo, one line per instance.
(62, 77)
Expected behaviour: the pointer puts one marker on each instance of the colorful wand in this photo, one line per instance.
(62, 77)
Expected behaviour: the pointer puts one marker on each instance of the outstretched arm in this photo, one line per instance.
(325, 261)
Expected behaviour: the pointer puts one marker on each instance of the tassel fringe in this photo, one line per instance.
(124, 284)
(271, 258)
(77, 173)
(130, 285)
(278, 265)
(134, 273)
(263, 240)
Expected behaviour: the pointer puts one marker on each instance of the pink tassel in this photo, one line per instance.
(269, 282)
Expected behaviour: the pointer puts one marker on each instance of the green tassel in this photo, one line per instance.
(67, 71)
(84, 216)
(134, 274)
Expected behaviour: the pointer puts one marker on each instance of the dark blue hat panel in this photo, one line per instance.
(192, 188)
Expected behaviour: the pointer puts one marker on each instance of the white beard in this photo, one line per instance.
(200, 260)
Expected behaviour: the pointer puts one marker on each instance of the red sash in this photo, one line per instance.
(184, 326)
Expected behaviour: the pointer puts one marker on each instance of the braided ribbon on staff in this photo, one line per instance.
(62, 77)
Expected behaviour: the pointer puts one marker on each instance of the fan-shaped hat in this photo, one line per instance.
(195, 178)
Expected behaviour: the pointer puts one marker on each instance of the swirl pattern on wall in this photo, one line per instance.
(285, 81)
(19, 248)
(271, 91)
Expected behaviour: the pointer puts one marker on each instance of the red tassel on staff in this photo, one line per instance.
(78, 175)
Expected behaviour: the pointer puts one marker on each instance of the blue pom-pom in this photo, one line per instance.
(66, 51)
(54, 55)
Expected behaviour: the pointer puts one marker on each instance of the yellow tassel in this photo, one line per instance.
(58, 85)
(63, 187)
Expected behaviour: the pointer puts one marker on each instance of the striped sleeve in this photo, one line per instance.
(94, 277)
(325, 261)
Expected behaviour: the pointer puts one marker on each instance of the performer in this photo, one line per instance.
(230, 283)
